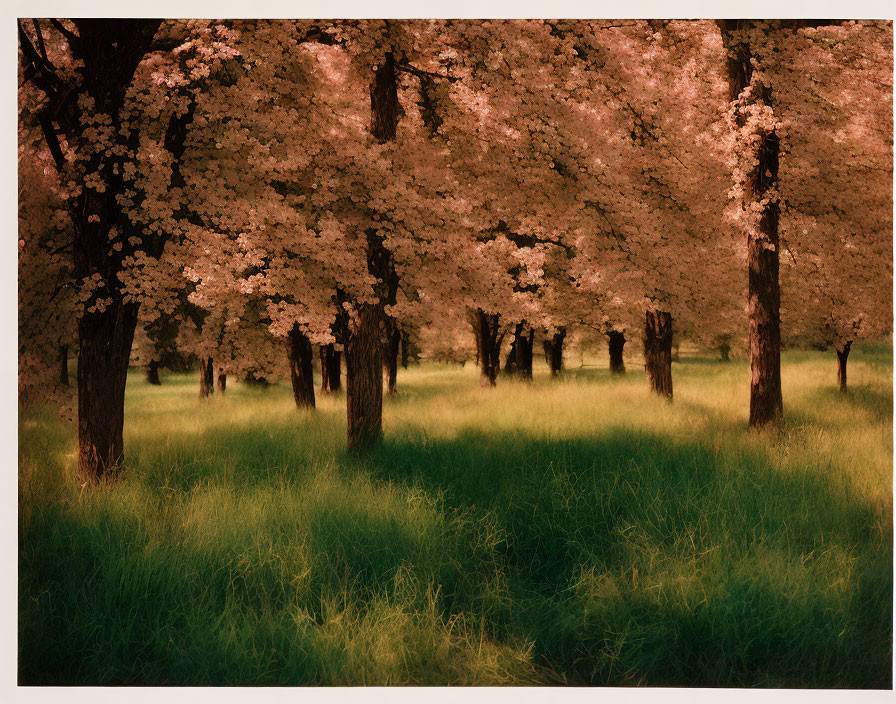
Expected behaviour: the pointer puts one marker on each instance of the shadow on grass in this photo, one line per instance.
(623, 558)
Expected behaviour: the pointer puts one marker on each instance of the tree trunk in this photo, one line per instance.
(364, 378)
(842, 356)
(522, 348)
(489, 346)
(330, 369)
(206, 377)
(364, 347)
(222, 381)
(658, 351)
(392, 348)
(764, 297)
(301, 370)
(405, 352)
(105, 347)
(63, 365)
(555, 359)
(109, 52)
(617, 344)
(152, 373)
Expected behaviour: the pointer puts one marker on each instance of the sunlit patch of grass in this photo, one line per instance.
(573, 530)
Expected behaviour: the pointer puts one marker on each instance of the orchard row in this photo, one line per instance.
(226, 189)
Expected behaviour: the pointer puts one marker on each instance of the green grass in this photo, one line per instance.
(565, 531)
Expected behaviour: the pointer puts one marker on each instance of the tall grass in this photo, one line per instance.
(561, 531)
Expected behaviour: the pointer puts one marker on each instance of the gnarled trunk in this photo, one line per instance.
(105, 345)
(63, 365)
(658, 351)
(222, 381)
(842, 356)
(152, 373)
(330, 369)
(489, 346)
(617, 344)
(364, 378)
(393, 341)
(301, 371)
(206, 377)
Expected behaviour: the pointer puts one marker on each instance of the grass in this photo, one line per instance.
(572, 531)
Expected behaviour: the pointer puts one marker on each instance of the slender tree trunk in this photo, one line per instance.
(522, 350)
(658, 351)
(392, 349)
(105, 347)
(330, 369)
(63, 365)
(489, 346)
(364, 378)
(152, 373)
(764, 296)
(510, 363)
(405, 352)
(301, 370)
(206, 377)
(222, 381)
(555, 360)
(617, 344)
(842, 356)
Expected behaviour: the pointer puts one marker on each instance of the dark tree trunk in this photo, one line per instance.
(658, 351)
(364, 378)
(522, 348)
(152, 373)
(842, 356)
(105, 346)
(405, 352)
(206, 377)
(364, 347)
(617, 344)
(222, 381)
(489, 343)
(301, 369)
(764, 297)
(511, 360)
(330, 369)
(555, 358)
(63, 365)
(392, 348)
(109, 51)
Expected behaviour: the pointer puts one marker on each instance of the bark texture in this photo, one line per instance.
(617, 344)
(489, 346)
(364, 347)
(222, 381)
(842, 357)
(364, 378)
(152, 373)
(658, 351)
(301, 370)
(764, 294)
(105, 347)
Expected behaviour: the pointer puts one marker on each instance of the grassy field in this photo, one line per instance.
(565, 531)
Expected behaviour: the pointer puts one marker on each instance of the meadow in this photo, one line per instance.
(565, 531)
